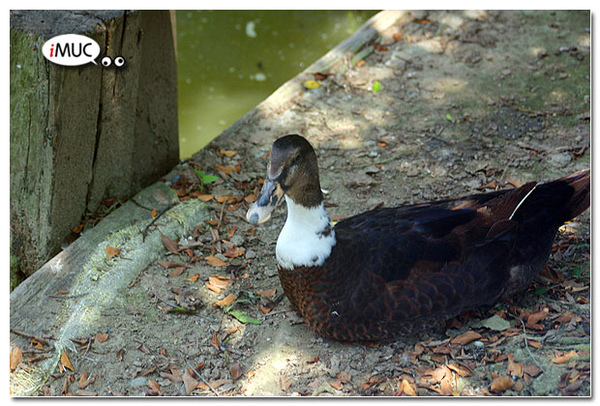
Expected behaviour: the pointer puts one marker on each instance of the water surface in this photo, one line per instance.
(229, 61)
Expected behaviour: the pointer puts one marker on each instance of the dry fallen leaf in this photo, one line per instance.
(64, 360)
(234, 252)
(344, 377)
(69, 378)
(236, 370)
(143, 348)
(175, 376)
(490, 185)
(193, 278)
(534, 343)
(532, 370)
(267, 293)
(202, 386)
(153, 213)
(175, 272)
(497, 356)
(227, 169)
(459, 369)
(205, 197)
(514, 183)
(229, 299)
(230, 332)
(434, 376)
(147, 372)
(405, 389)
(285, 383)
(536, 326)
(170, 264)
(535, 317)
(189, 382)
(217, 283)
(223, 198)
(231, 231)
(576, 377)
(514, 368)
(374, 380)
(419, 349)
(336, 384)
(561, 359)
(85, 380)
(465, 338)
(214, 261)
(224, 169)
(265, 309)
(251, 198)
(101, 337)
(170, 245)
(519, 385)
(501, 384)
(215, 342)
(112, 251)
(215, 383)
(565, 317)
(38, 344)
(228, 153)
(442, 349)
(439, 359)
(446, 386)
(16, 355)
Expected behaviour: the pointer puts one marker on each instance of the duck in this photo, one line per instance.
(399, 270)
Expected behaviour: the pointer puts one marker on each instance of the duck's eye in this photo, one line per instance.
(295, 158)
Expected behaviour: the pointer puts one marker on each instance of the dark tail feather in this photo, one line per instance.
(580, 201)
(540, 215)
(557, 201)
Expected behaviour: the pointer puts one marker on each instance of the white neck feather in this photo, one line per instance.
(306, 238)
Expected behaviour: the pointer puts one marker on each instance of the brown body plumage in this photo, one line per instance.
(397, 270)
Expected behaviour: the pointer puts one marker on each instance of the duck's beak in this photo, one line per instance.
(269, 198)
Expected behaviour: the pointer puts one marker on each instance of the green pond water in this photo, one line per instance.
(229, 61)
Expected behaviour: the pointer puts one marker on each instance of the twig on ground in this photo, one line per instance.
(213, 390)
(526, 344)
(30, 336)
(221, 214)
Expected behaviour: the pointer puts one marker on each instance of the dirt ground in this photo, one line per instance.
(468, 102)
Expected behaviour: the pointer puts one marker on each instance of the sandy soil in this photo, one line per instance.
(468, 102)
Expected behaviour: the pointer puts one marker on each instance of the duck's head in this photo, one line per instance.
(292, 170)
